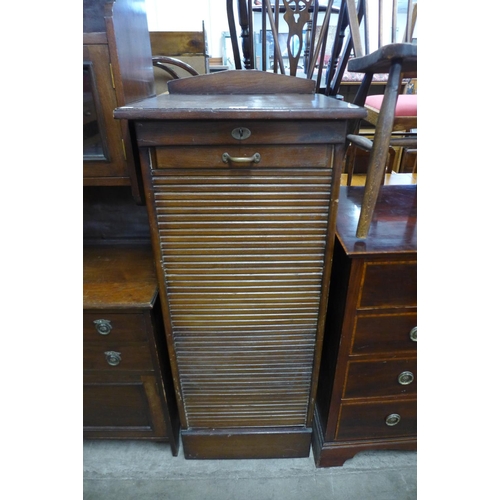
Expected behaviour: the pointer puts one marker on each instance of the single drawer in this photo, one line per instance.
(239, 156)
(377, 420)
(389, 284)
(116, 405)
(117, 356)
(378, 333)
(381, 378)
(243, 132)
(117, 327)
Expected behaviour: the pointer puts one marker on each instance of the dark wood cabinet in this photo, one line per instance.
(367, 392)
(241, 194)
(127, 385)
(127, 382)
(117, 69)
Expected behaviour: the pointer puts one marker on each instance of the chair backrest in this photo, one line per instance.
(188, 46)
(297, 47)
(365, 26)
(386, 19)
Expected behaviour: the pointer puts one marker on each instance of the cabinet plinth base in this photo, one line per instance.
(247, 443)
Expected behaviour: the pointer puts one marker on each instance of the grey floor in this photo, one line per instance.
(134, 470)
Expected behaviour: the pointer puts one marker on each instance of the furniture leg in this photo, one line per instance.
(379, 152)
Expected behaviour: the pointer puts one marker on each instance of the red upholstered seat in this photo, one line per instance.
(406, 104)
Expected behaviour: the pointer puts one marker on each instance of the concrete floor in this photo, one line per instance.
(135, 470)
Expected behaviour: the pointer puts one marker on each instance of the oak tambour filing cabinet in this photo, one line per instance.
(127, 384)
(240, 186)
(367, 391)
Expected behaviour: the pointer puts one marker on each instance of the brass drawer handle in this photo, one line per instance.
(103, 326)
(113, 358)
(226, 158)
(413, 334)
(405, 378)
(393, 419)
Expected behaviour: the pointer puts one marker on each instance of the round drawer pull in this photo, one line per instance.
(413, 334)
(405, 378)
(393, 419)
(103, 326)
(113, 358)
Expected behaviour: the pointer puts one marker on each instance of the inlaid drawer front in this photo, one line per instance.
(114, 356)
(378, 420)
(381, 378)
(122, 327)
(391, 284)
(378, 333)
(239, 156)
(199, 133)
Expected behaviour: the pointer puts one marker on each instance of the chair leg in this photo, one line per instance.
(351, 158)
(379, 152)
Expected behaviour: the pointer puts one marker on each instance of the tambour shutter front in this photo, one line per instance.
(241, 191)
(243, 254)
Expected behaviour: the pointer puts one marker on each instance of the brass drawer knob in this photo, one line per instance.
(405, 378)
(103, 326)
(113, 358)
(413, 334)
(393, 419)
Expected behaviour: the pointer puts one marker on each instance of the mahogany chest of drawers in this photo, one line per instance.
(127, 384)
(241, 193)
(367, 393)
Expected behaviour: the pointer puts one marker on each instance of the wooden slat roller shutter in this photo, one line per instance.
(243, 255)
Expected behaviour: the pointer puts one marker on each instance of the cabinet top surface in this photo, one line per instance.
(394, 226)
(117, 277)
(237, 106)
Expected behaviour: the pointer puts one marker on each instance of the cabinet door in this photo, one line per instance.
(104, 161)
(243, 255)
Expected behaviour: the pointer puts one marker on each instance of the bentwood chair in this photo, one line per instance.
(178, 54)
(392, 114)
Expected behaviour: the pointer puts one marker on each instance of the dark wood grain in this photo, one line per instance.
(376, 332)
(111, 216)
(379, 378)
(177, 43)
(281, 106)
(129, 408)
(394, 226)
(241, 82)
(114, 169)
(368, 420)
(129, 327)
(242, 255)
(261, 443)
(210, 133)
(115, 278)
(367, 344)
(134, 356)
(130, 50)
(120, 59)
(133, 399)
(389, 284)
